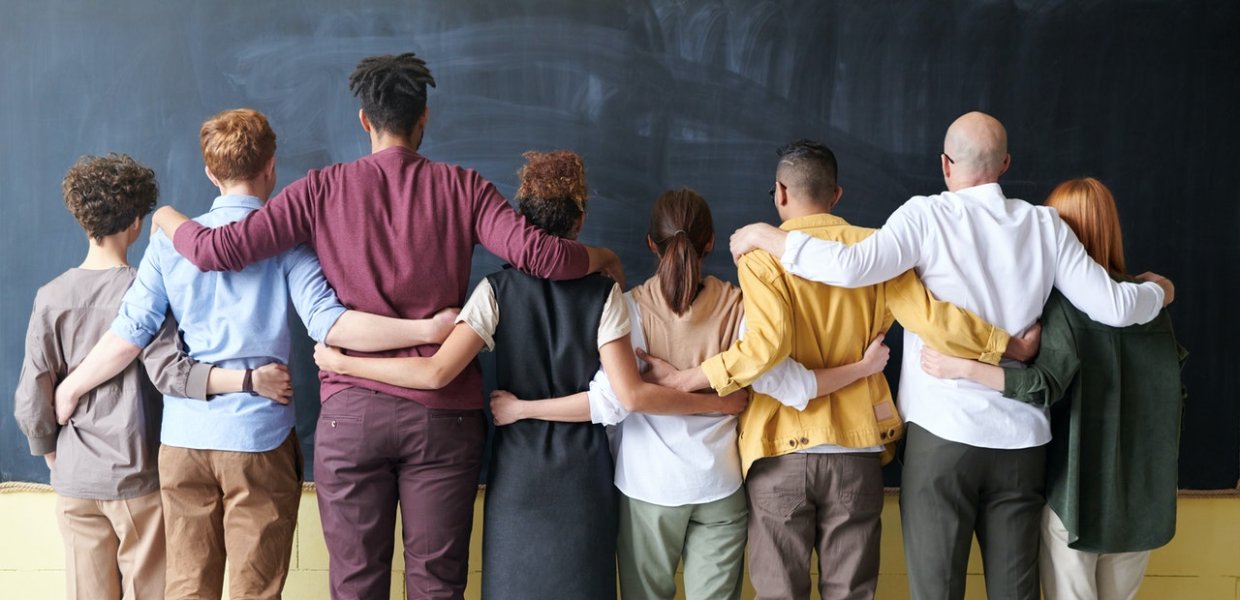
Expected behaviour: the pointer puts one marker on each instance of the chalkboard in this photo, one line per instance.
(656, 94)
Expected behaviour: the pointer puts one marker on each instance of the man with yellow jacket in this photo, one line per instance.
(813, 472)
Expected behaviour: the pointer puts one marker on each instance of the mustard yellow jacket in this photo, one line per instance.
(824, 326)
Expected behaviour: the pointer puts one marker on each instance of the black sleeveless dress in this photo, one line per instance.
(550, 516)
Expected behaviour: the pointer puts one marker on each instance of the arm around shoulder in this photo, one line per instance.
(1091, 289)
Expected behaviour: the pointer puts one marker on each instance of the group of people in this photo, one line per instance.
(751, 420)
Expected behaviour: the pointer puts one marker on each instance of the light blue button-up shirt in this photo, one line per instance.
(233, 320)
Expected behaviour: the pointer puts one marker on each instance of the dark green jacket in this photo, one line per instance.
(1112, 463)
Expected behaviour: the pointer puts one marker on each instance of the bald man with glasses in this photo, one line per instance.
(974, 460)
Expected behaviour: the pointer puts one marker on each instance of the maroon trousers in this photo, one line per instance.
(374, 450)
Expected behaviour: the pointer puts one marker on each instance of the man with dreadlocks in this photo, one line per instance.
(394, 232)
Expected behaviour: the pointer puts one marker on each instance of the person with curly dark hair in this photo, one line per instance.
(102, 457)
(230, 470)
(396, 233)
(550, 484)
(109, 194)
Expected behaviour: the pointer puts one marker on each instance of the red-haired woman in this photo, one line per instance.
(1115, 398)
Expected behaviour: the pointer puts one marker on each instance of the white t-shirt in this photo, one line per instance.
(691, 459)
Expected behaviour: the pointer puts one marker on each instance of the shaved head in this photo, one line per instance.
(977, 145)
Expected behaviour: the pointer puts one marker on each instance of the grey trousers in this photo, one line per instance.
(950, 491)
(829, 503)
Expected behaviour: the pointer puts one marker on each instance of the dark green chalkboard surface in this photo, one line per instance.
(660, 93)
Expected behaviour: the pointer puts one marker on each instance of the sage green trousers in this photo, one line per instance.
(708, 537)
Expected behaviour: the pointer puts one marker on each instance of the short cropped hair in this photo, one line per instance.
(106, 194)
(392, 89)
(236, 144)
(552, 192)
(808, 167)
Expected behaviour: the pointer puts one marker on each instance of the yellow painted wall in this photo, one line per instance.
(1201, 563)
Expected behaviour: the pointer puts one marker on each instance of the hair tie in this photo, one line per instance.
(678, 232)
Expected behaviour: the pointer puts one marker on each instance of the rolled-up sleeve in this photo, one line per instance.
(172, 371)
(313, 298)
(481, 313)
(145, 305)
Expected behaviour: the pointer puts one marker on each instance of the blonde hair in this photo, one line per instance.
(236, 144)
(1088, 207)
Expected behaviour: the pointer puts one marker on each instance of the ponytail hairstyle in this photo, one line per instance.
(681, 231)
(552, 191)
(1088, 207)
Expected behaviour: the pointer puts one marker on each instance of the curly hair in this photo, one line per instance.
(392, 89)
(552, 193)
(106, 194)
(236, 144)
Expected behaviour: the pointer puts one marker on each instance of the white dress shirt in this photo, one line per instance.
(996, 256)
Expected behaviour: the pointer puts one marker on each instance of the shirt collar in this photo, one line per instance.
(985, 190)
(236, 201)
(818, 220)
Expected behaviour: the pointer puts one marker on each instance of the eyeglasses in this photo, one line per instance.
(949, 159)
(772, 190)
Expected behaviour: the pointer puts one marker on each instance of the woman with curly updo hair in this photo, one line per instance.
(551, 508)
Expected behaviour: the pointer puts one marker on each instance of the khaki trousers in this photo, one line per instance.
(1071, 574)
(239, 506)
(829, 503)
(114, 549)
(709, 537)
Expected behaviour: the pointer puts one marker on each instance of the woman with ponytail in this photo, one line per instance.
(680, 476)
(550, 522)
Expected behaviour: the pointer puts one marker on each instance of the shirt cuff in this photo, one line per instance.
(40, 446)
(602, 411)
(717, 375)
(196, 382)
(790, 383)
(995, 346)
(1015, 382)
(132, 332)
(479, 329)
(792, 249)
(324, 322)
(1162, 296)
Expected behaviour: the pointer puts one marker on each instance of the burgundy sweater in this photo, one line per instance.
(395, 233)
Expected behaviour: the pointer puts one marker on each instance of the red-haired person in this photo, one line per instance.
(1115, 400)
(973, 460)
(396, 232)
(230, 468)
(102, 455)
